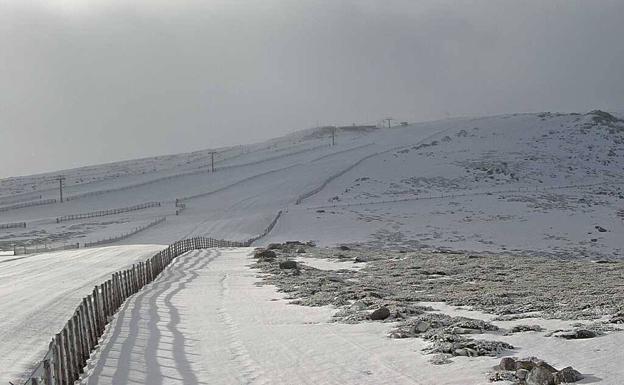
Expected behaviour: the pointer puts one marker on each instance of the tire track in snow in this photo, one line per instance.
(251, 372)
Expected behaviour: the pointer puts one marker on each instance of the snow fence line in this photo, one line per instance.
(70, 349)
(102, 213)
(24, 250)
(12, 225)
(28, 204)
(24, 197)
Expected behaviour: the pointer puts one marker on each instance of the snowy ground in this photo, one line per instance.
(206, 321)
(161, 337)
(39, 293)
(490, 184)
(477, 184)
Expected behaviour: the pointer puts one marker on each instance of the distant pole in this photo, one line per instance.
(389, 120)
(61, 178)
(212, 161)
(333, 136)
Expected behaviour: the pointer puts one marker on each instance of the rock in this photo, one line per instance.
(507, 363)
(288, 265)
(380, 314)
(461, 352)
(300, 250)
(524, 365)
(526, 328)
(618, 318)
(344, 248)
(539, 375)
(502, 376)
(361, 259)
(567, 375)
(577, 334)
(264, 255)
(601, 229)
(274, 246)
(421, 327)
(522, 374)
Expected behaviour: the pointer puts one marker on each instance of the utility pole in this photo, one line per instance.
(61, 178)
(333, 131)
(212, 160)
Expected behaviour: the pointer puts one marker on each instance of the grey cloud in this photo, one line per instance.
(112, 80)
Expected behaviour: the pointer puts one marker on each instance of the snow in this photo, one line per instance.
(471, 184)
(476, 184)
(205, 321)
(39, 293)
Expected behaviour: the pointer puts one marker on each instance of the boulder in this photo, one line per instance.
(421, 327)
(300, 250)
(274, 246)
(264, 255)
(507, 363)
(361, 259)
(286, 265)
(539, 375)
(344, 248)
(567, 375)
(577, 334)
(601, 229)
(380, 314)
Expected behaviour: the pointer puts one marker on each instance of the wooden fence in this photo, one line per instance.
(70, 349)
(12, 225)
(102, 213)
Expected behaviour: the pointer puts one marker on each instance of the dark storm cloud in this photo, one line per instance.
(89, 82)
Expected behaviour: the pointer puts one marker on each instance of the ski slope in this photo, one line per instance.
(471, 184)
(477, 184)
(39, 293)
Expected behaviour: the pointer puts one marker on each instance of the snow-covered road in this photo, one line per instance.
(205, 321)
(39, 293)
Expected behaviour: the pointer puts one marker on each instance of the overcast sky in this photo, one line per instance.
(84, 82)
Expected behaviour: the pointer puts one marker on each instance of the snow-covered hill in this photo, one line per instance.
(528, 184)
(538, 183)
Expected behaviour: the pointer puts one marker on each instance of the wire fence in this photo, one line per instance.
(102, 213)
(12, 225)
(44, 248)
(28, 204)
(8, 200)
